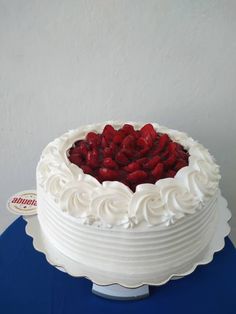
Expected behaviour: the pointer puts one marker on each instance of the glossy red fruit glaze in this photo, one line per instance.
(128, 155)
(76, 159)
(86, 169)
(180, 164)
(170, 174)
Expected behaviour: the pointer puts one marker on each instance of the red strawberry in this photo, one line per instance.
(108, 132)
(133, 166)
(107, 152)
(128, 142)
(93, 139)
(108, 162)
(149, 129)
(83, 149)
(170, 161)
(92, 158)
(172, 146)
(144, 142)
(152, 162)
(128, 152)
(121, 158)
(118, 138)
(137, 176)
(163, 141)
(142, 161)
(108, 174)
(141, 153)
(164, 154)
(157, 172)
(104, 142)
(128, 129)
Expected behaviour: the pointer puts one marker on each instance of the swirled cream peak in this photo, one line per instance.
(110, 203)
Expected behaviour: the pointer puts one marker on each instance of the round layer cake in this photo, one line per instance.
(128, 198)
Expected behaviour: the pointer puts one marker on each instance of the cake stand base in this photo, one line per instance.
(117, 292)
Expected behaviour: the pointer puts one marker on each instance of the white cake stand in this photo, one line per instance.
(118, 286)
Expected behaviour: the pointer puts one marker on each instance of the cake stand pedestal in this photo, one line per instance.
(117, 292)
(119, 286)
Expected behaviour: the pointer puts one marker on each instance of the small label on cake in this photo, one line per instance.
(23, 203)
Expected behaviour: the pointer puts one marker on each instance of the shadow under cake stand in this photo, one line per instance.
(115, 285)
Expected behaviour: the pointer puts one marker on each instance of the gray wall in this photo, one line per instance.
(68, 63)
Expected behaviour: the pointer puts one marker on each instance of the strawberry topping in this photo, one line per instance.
(128, 155)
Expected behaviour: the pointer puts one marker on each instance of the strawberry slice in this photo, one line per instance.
(142, 161)
(170, 161)
(92, 158)
(148, 129)
(150, 164)
(163, 141)
(108, 132)
(93, 139)
(83, 149)
(144, 142)
(107, 174)
(128, 142)
(137, 176)
(157, 172)
(118, 138)
(133, 166)
(128, 129)
(121, 158)
(108, 162)
(172, 146)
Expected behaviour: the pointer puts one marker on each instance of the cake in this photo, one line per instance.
(128, 198)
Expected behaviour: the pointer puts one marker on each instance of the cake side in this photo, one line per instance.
(141, 250)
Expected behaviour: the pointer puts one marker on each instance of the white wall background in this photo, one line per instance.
(68, 63)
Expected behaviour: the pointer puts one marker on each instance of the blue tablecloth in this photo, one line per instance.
(28, 284)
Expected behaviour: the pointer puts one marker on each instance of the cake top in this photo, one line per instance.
(128, 155)
(127, 202)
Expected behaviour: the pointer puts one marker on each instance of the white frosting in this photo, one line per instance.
(114, 204)
(110, 203)
(131, 252)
